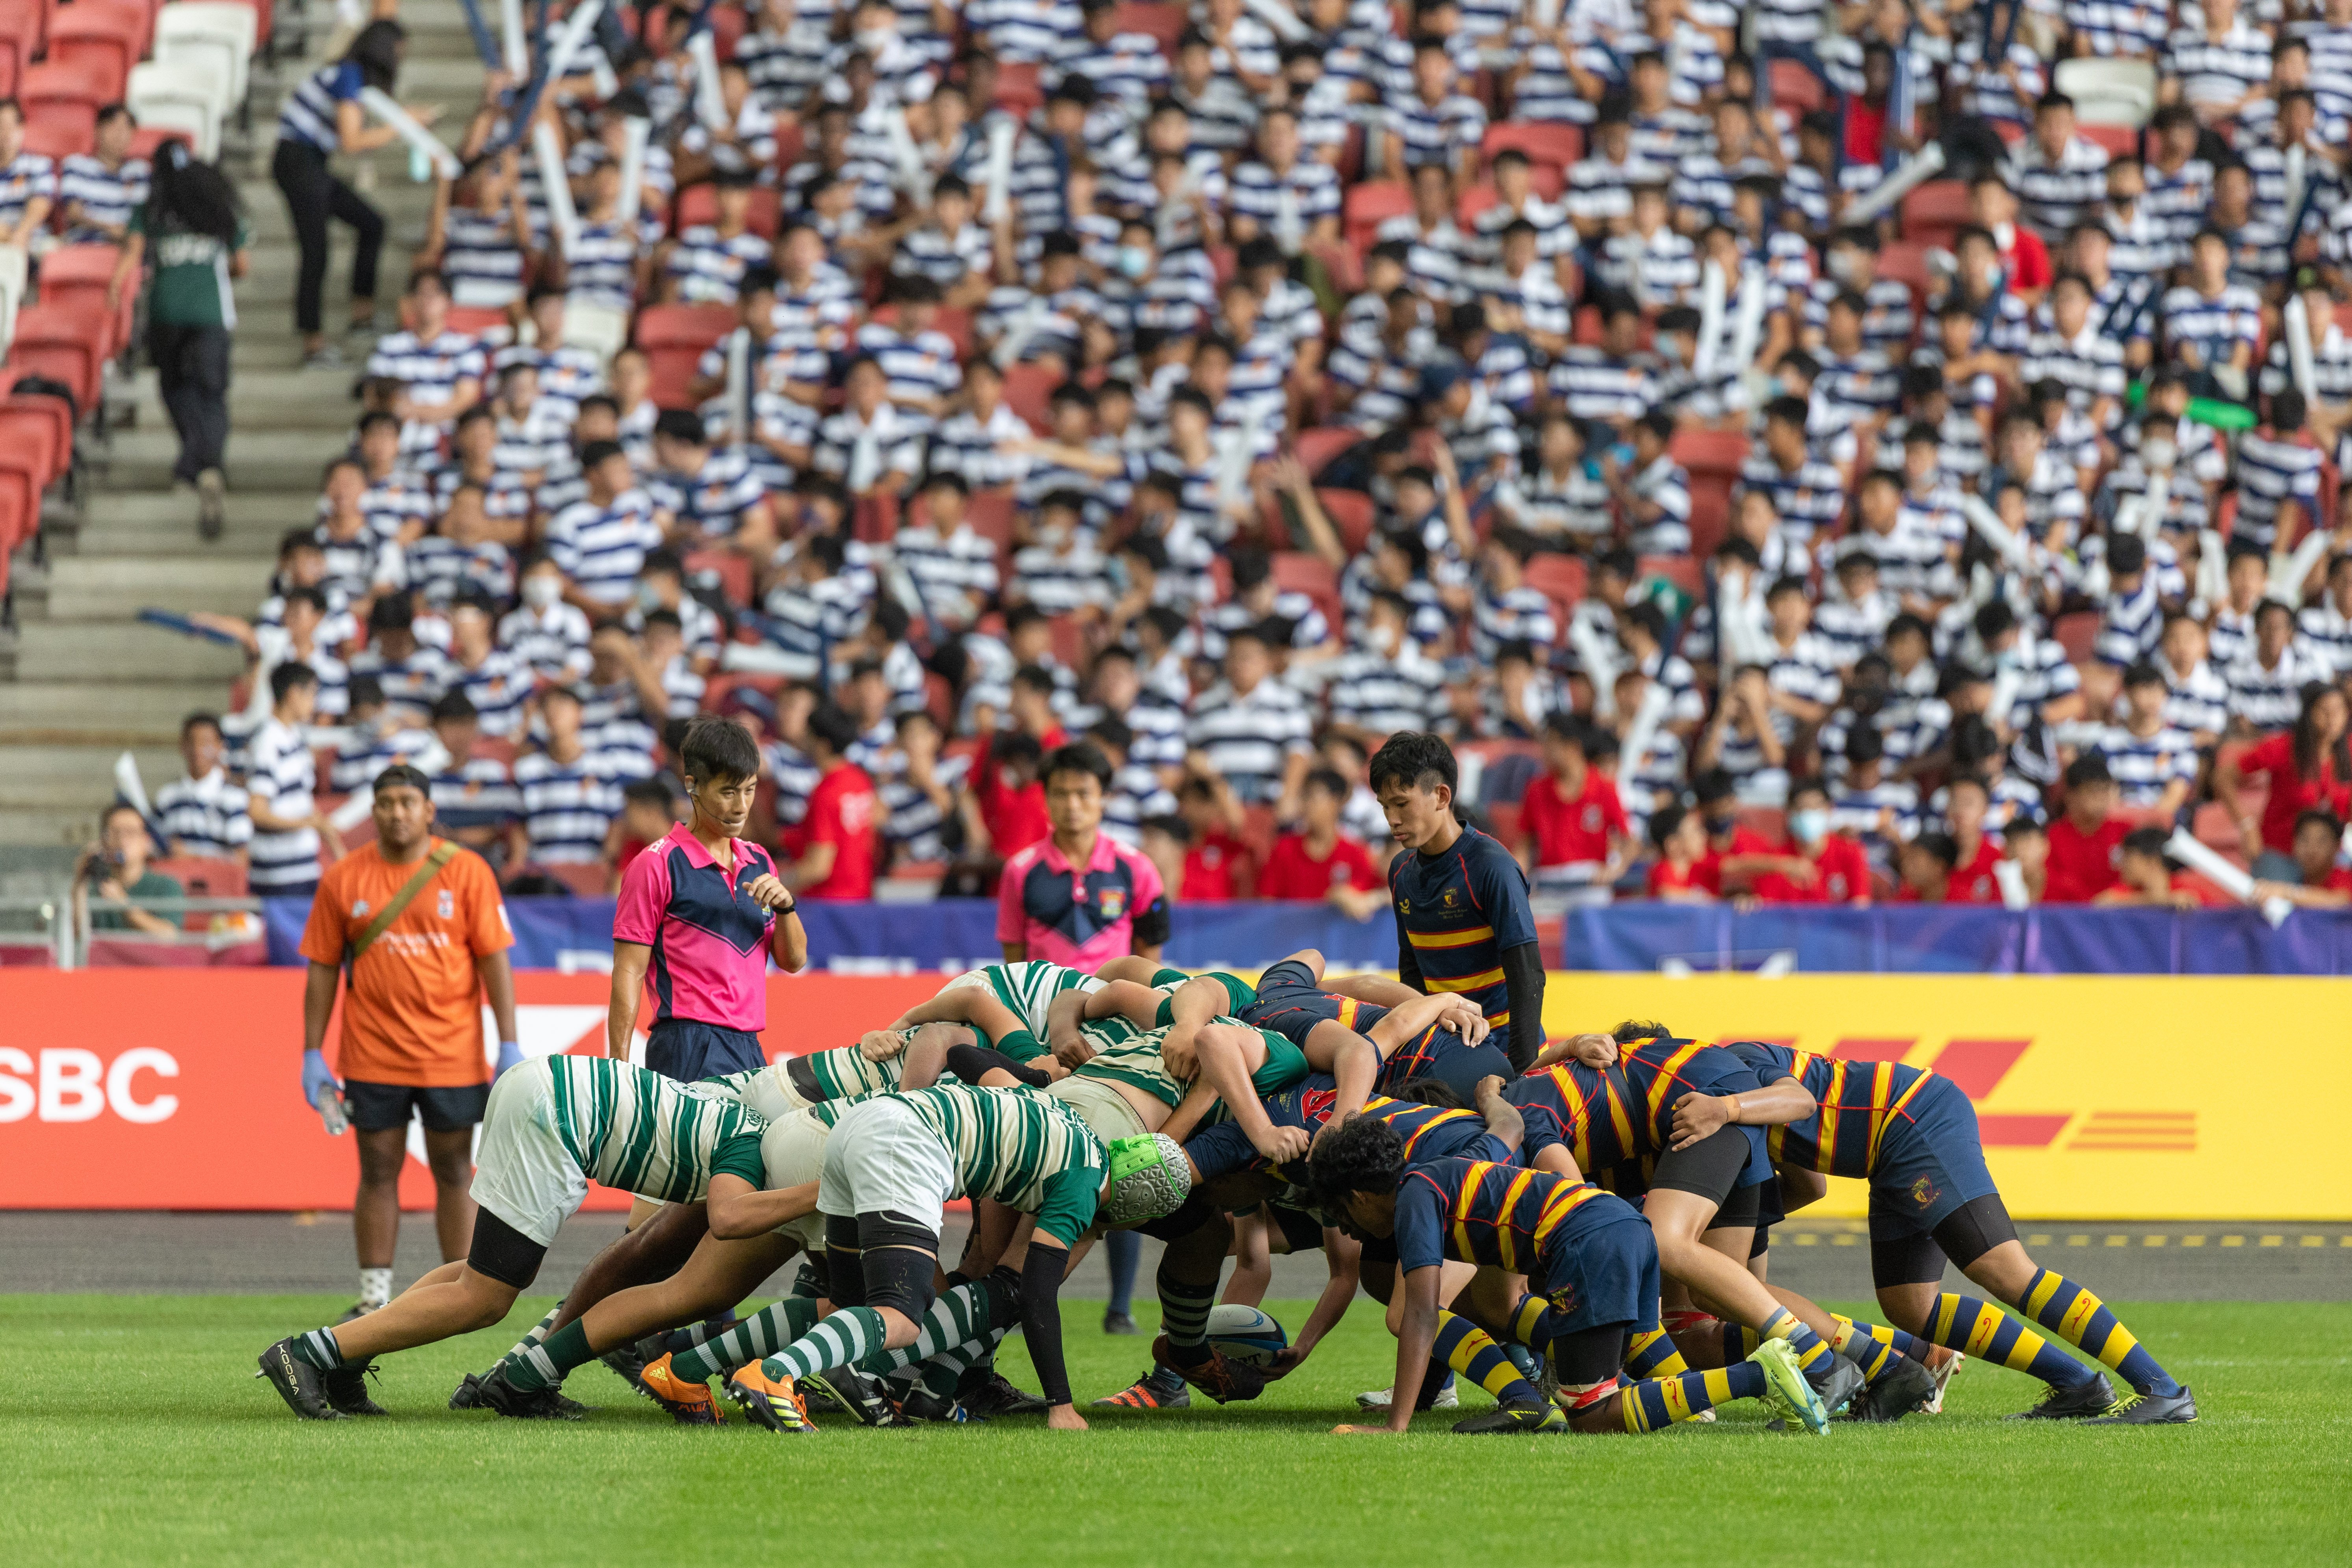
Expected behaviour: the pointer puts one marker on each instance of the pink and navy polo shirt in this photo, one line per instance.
(1081, 916)
(709, 940)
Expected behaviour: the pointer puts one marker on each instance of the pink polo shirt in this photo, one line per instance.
(1080, 916)
(709, 940)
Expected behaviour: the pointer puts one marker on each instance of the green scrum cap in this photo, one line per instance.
(1150, 1178)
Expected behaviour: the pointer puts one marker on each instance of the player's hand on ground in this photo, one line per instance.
(1284, 1144)
(1286, 1361)
(768, 891)
(1698, 1116)
(881, 1044)
(1065, 1418)
(1354, 1431)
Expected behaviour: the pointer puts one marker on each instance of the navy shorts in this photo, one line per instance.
(1221, 1150)
(1931, 1164)
(380, 1107)
(687, 1050)
(1600, 1268)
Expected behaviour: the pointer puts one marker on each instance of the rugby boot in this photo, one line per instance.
(2096, 1397)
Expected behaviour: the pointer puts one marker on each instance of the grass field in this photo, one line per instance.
(132, 1429)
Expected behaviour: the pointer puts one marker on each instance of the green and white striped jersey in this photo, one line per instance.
(1028, 988)
(1014, 1145)
(1126, 1054)
(845, 1071)
(643, 1133)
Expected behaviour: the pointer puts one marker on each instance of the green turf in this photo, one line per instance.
(133, 1430)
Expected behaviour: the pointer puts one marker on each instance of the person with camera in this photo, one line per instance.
(115, 868)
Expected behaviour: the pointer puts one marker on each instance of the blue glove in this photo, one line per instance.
(509, 1056)
(316, 1078)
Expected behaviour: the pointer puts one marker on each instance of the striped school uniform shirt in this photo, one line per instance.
(1128, 69)
(1808, 500)
(2146, 766)
(1249, 737)
(2269, 697)
(107, 195)
(567, 807)
(913, 824)
(708, 268)
(204, 817)
(477, 792)
(309, 116)
(482, 258)
(429, 371)
(553, 644)
(601, 548)
(282, 778)
(498, 687)
(2271, 473)
(2123, 29)
(1437, 132)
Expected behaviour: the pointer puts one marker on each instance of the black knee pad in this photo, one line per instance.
(1591, 1355)
(502, 1253)
(845, 1276)
(899, 1259)
(1901, 1259)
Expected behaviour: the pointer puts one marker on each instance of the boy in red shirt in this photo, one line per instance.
(1820, 866)
(2086, 842)
(1573, 821)
(1685, 872)
(1219, 864)
(2321, 883)
(1966, 801)
(1926, 866)
(832, 847)
(2145, 878)
(1322, 863)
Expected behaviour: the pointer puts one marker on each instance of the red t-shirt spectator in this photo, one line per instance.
(1744, 841)
(1576, 831)
(1841, 876)
(1293, 872)
(1015, 819)
(2027, 259)
(1974, 883)
(1699, 876)
(2082, 864)
(2292, 796)
(841, 812)
(1216, 868)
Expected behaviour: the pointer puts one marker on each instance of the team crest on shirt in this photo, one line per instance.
(1404, 906)
(359, 908)
(1448, 900)
(446, 906)
(1114, 903)
(1924, 1192)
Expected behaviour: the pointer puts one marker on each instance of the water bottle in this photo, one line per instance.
(334, 1113)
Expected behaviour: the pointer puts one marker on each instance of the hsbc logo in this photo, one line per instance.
(69, 1084)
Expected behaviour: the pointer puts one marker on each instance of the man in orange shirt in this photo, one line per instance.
(421, 923)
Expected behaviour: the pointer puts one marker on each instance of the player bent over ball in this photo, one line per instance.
(1587, 1253)
(551, 1127)
(890, 1166)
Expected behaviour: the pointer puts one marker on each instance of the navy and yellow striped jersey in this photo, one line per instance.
(1430, 1132)
(1861, 1103)
(1291, 1002)
(1458, 913)
(1619, 1116)
(1476, 1211)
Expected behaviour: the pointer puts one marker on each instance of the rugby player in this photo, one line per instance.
(551, 1127)
(1912, 1135)
(1438, 1036)
(1588, 1255)
(892, 1163)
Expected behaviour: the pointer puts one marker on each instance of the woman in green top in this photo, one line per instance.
(190, 221)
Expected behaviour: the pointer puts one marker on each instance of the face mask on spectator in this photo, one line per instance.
(2158, 454)
(1810, 825)
(1133, 262)
(541, 593)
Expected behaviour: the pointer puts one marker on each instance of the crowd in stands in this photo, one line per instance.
(1538, 375)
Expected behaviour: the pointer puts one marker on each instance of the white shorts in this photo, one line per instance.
(882, 1156)
(522, 1172)
(793, 1150)
(1107, 1113)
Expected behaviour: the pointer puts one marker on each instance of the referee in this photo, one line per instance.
(419, 922)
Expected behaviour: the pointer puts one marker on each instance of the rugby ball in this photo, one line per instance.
(1245, 1335)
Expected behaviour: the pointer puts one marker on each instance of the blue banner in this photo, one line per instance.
(947, 933)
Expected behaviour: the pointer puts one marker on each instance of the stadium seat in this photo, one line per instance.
(187, 94)
(1934, 212)
(61, 99)
(2120, 141)
(1304, 571)
(79, 275)
(1795, 89)
(675, 338)
(20, 38)
(1350, 513)
(203, 878)
(106, 35)
(1317, 446)
(66, 343)
(727, 570)
(1709, 451)
(1561, 578)
(1683, 571)
(147, 141)
(1370, 204)
(1019, 91)
(1548, 145)
(1029, 391)
(218, 35)
(1710, 518)
(2108, 91)
(1164, 23)
(699, 205)
(1906, 262)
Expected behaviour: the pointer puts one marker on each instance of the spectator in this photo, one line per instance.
(116, 869)
(833, 849)
(2145, 877)
(2154, 764)
(2321, 881)
(1577, 841)
(570, 799)
(475, 800)
(375, 736)
(1927, 865)
(1682, 873)
(1250, 730)
(280, 780)
(1820, 865)
(1318, 862)
(2085, 838)
(2307, 768)
(1218, 865)
(201, 814)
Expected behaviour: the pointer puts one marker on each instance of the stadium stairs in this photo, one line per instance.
(81, 678)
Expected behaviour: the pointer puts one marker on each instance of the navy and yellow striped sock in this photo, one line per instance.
(1982, 1330)
(1739, 1342)
(1527, 1321)
(1472, 1352)
(1652, 1355)
(1865, 1350)
(1902, 1343)
(2083, 1320)
(1660, 1401)
(1813, 1351)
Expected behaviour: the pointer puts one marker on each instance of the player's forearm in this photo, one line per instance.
(318, 1005)
(1504, 1122)
(1782, 1100)
(1355, 1068)
(1337, 1292)
(1523, 978)
(1041, 1317)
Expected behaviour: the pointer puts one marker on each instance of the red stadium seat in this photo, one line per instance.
(2075, 633)
(1710, 519)
(1795, 89)
(1906, 262)
(1709, 451)
(675, 338)
(1350, 513)
(2120, 141)
(78, 276)
(1164, 23)
(201, 878)
(730, 568)
(1934, 212)
(67, 342)
(148, 141)
(699, 205)
(1317, 446)
(106, 35)
(1029, 391)
(61, 101)
(1681, 571)
(1303, 572)
(1547, 146)
(1370, 204)
(1019, 91)
(727, 25)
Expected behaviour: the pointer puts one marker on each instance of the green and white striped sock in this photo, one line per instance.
(319, 1348)
(538, 1335)
(761, 1334)
(844, 1339)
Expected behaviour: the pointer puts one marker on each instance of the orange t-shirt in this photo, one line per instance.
(413, 1014)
